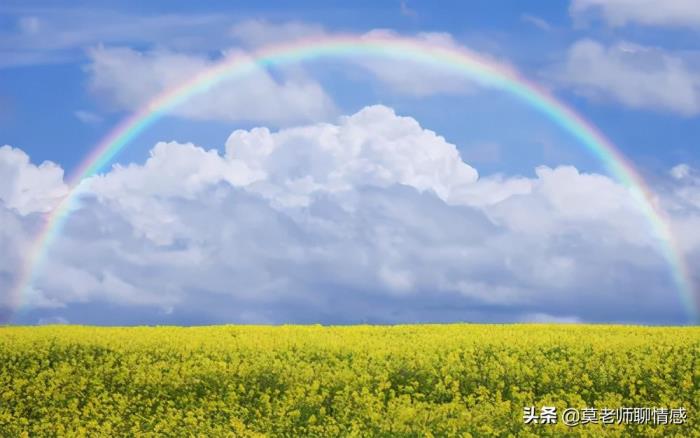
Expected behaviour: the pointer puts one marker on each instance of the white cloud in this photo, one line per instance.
(634, 75)
(681, 13)
(680, 171)
(373, 147)
(536, 21)
(14, 241)
(87, 117)
(254, 96)
(28, 188)
(372, 218)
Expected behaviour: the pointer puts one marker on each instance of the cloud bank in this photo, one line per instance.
(372, 218)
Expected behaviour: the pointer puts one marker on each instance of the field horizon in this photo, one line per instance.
(398, 324)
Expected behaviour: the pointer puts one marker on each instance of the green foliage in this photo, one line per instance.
(391, 381)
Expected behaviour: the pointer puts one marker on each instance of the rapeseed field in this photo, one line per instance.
(385, 381)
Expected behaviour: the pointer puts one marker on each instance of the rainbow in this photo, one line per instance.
(458, 60)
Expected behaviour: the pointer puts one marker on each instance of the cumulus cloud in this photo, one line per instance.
(634, 75)
(680, 13)
(371, 218)
(26, 187)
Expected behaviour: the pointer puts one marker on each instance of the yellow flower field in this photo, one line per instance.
(404, 381)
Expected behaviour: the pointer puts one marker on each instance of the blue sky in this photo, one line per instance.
(69, 73)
